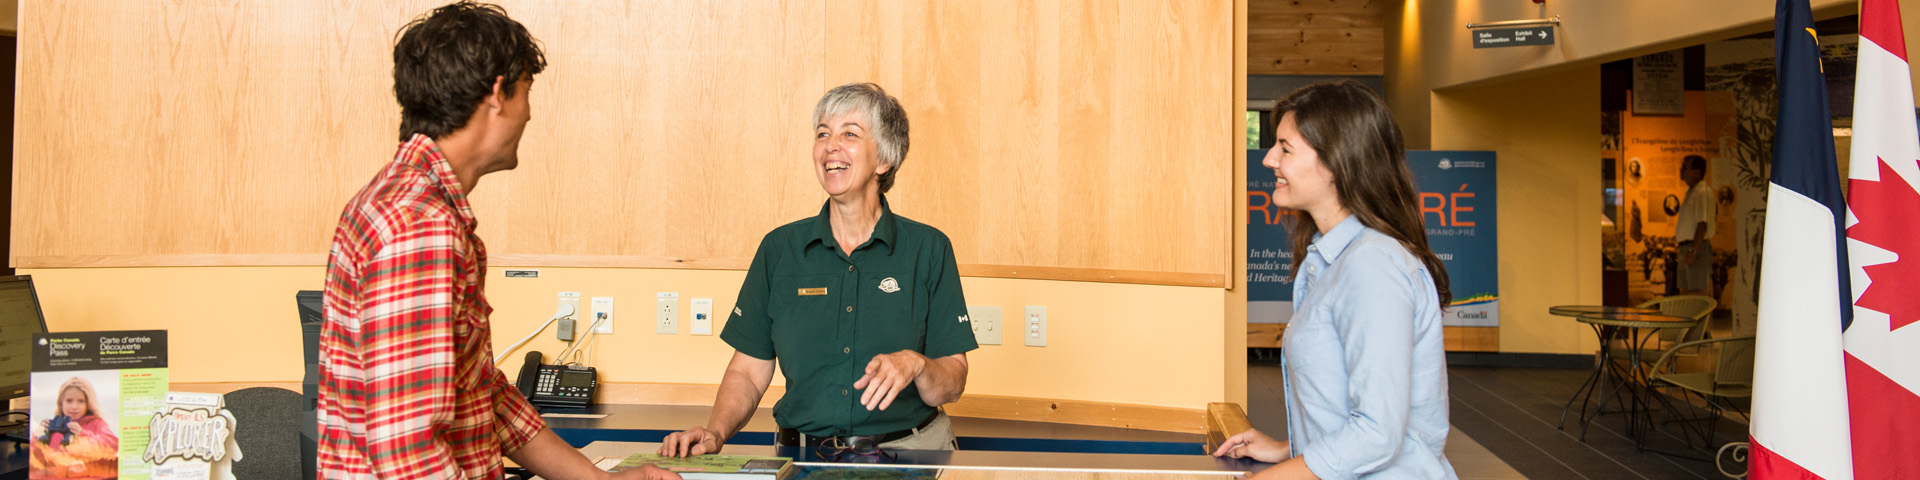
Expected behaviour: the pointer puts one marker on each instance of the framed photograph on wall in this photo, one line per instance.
(1658, 85)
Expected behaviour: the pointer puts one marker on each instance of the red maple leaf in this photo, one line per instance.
(1889, 217)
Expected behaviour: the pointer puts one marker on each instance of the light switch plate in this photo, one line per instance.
(703, 316)
(1036, 328)
(986, 324)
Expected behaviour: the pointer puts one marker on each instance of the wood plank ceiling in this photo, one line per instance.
(1316, 37)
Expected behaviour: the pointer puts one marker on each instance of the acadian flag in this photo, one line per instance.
(1883, 239)
(1800, 423)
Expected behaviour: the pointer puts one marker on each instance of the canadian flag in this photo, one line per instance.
(1883, 244)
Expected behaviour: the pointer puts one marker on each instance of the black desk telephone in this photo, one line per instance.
(560, 386)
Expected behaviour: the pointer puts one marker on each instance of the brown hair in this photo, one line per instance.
(1360, 143)
(444, 64)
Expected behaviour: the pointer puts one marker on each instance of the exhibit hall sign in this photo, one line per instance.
(1512, 37)
(1458, 198)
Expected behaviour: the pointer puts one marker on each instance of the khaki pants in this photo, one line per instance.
(1695, 271)
(937, 436)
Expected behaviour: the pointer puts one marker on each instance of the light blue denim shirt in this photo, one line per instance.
(1366, 371)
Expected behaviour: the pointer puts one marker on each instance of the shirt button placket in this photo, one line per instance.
(848, 328)
(851, 283)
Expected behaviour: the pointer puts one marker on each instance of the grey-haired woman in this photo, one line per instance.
(861, 307)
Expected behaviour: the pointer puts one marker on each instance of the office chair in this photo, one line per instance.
(268, 432)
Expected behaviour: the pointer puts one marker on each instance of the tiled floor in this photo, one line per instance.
(1513, 413)
(1267, 412)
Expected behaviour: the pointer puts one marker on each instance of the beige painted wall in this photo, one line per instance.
(1729, 18)
(1449, 96)
(1651, 26)
(1549, 196)
(1428, 47)
(1408, 90)
(1589, 33)
(1110, 343)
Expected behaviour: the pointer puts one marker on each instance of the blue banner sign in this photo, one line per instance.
(1458, 195)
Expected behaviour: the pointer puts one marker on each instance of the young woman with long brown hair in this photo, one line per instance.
(1366, 382)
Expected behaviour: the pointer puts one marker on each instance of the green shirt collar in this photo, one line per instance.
(883, 231)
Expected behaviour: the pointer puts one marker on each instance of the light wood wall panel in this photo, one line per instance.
(1067, 139)
(1065, 167)
(1316, 37)
(664, 134)
(192, 128)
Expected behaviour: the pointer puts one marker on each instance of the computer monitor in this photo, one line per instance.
(20, 318)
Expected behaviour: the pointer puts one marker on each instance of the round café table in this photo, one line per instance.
(1603, 369)
(1635, 330)
(1583, 310)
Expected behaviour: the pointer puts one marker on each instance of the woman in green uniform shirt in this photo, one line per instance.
(861, 307)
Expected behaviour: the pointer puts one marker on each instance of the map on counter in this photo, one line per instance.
(713, 466)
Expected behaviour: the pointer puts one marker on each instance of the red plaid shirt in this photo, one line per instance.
(408, 388)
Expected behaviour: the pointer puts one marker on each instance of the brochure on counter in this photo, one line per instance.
(93, 394)
(719, 467)
(193, 438)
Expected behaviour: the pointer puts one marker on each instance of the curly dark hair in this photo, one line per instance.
(445, 62)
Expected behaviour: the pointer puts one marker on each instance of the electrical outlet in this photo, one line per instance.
(569, 309)
(1036, 332)
(986, 324)
(602, 318)
(667, 313)
(703, 316)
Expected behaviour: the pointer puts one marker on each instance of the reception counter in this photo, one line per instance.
(971, 465)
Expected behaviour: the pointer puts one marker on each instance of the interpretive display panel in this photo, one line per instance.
(1654, 194)
(1458, 196)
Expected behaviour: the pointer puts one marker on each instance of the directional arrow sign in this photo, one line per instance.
(1511, 37)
